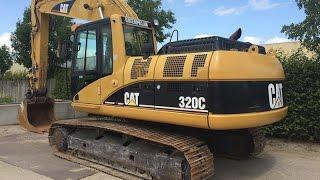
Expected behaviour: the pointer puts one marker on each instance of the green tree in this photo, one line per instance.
(60, 30)
(307, 31)
(150, 10)
(5, 59)
(20, 40)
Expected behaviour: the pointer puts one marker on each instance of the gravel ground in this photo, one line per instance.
(293, 147)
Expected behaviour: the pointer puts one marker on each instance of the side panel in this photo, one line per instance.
(188, 96)
(165, 99)
(90, 94)
(236, 97)
(181, 82)
(139, 82)
(185, 96)
(138, 88)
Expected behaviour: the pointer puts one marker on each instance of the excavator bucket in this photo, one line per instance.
(37, 116)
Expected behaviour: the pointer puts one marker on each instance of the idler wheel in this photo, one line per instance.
(60, 139)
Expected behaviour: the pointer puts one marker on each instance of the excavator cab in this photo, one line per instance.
(97, 48)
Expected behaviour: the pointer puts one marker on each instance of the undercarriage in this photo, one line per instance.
(144, 150)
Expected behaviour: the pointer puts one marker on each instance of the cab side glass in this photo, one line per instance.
(87, 51)
(91, 61)
(107, 68)
(79, 64)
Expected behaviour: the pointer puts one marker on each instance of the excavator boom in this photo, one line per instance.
(36, 113)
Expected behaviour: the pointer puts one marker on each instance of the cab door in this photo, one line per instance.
(86, 71)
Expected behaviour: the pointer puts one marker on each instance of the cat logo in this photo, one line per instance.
(131, 99)
(64, 8)
(275, 96)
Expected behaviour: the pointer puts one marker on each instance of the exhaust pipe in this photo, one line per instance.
(37, 114)
(236, 35)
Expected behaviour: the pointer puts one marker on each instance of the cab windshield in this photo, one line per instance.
(138, 41)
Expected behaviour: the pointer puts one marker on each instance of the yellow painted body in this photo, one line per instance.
(219, 66)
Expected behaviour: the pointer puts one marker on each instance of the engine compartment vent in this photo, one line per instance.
(198, 62)
(140, 68)
(174, 66)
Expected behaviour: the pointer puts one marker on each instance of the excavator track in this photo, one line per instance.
(200, 161)
(259, 141)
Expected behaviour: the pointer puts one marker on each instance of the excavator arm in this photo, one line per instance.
(37, 110)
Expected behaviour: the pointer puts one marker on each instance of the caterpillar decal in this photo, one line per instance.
(63, 7)
(131, 99)
(225, 97)
(275, 95)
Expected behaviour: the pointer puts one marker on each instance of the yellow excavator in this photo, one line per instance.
(153, 114)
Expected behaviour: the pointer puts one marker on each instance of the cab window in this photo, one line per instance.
(138, 41)
(79, 66)
(91, 61)
(87, 51)
(107, 65)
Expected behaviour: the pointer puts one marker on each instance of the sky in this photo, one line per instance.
(260, 20)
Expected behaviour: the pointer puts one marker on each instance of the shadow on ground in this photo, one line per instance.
(243, 169)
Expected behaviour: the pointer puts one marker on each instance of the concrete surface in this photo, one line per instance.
(11, 130)
(100, 176)
(9, 114)
(28, 155)
(11, 172)
(63, 110)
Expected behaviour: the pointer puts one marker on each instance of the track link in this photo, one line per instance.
(195, 151)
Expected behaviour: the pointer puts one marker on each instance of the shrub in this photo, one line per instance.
(6, 100)
(21, 75)
(302, 92)
(62, 88)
